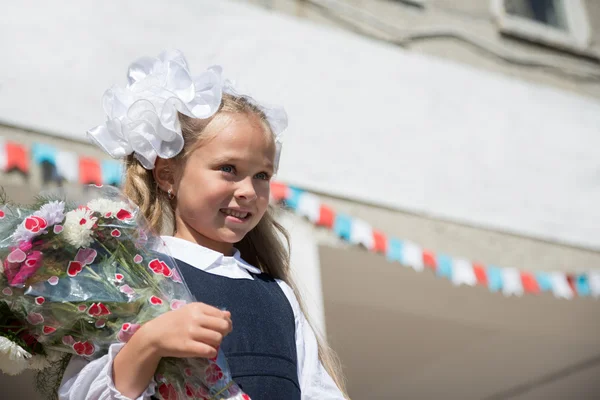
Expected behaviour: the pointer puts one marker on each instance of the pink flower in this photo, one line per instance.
(28, 268)
(25, 246)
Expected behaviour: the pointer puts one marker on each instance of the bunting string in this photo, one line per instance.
(59, 165)
(459, 271)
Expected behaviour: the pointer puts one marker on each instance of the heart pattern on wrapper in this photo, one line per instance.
(138, 259)
(115, 233)
(57, 229)
(16, 256)
(35, 318)
(119, 277)
(31, 262)
(48, 330)
(7, 291)
(177, 304)
(127, 290)
(97, 309)
(127, 331)
(74, 268)
(160, 268)
(84, 348)
(123, 215)
(86, 256)
(53, 280)
(39, 300)
(68, 340)
(155, 301)
(189, 392)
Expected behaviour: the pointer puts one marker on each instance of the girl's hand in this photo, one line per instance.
(194, 330)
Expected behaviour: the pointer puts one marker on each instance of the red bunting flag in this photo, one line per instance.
(480, 274)
(379, 242)
(279, 191)
(530, 284)
(326, 217)
(429, 259)
(89, 171)
(16, 157)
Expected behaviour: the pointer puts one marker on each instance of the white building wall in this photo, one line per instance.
(368, 121)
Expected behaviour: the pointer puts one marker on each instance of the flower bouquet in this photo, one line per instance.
(77, 278)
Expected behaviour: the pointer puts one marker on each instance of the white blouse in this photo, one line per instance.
(84, 380)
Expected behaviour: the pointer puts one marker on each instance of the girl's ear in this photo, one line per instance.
(163, 174)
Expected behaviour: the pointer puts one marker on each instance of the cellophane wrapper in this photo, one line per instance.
(80, 277)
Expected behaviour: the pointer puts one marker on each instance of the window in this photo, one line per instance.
(560, 23)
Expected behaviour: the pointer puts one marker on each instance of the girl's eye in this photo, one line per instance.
(263, 175)
(229, 169)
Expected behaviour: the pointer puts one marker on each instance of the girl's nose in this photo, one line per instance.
(245, 190)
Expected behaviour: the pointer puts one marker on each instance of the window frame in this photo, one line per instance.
(576, 37)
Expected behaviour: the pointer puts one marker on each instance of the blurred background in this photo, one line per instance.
(441, 171)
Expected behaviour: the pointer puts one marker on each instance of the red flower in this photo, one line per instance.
(27, 269)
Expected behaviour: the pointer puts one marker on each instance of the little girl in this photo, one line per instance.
(199, 158)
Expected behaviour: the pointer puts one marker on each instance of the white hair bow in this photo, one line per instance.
(142, 116)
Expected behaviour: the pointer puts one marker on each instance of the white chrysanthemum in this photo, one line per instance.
(13, 358)
(53, 212)
(38, 362)
(78, 227)
(104, 206)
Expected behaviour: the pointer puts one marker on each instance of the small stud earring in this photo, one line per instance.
(170, 194)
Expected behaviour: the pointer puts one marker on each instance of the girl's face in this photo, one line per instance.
(223, 190)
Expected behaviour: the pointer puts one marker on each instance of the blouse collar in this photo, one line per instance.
(202, 257)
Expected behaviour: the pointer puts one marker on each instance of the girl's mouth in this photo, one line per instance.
(240, 215)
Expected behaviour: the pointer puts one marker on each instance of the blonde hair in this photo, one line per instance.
(262, 247)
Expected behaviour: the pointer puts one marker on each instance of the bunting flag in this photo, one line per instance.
(112, 172)
(309, 206)
(42, 152)
(510, 281)
(463, 273)
(361, 233)
(394, 250)
(89, 171)
(460, 271)
(326, 217)
(67, 166)
(16, 157)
